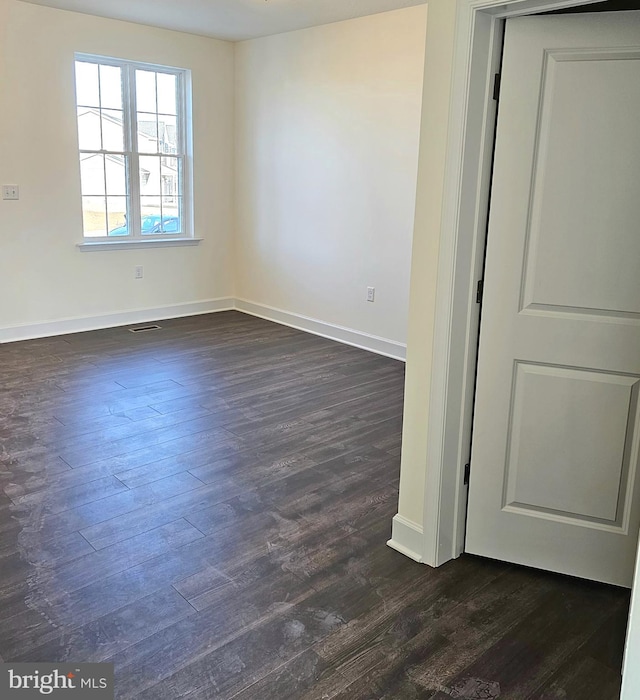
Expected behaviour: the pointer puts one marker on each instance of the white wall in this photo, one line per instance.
(424, 264)
(43, 275)
(327, 143)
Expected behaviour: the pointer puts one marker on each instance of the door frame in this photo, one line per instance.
(477, 56)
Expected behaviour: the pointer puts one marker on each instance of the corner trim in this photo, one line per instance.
(92, 323)
(348, 336)
(407, 538)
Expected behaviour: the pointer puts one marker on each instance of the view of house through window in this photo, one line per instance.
(131, 135)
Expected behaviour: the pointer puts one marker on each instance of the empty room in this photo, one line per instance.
(303, 392)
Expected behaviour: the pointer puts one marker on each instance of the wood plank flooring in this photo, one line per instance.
(206, 507)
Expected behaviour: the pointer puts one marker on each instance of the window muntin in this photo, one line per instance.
(133, 149)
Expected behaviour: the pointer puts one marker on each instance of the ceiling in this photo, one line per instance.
(230, 19)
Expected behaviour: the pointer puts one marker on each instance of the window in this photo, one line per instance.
(134, 165)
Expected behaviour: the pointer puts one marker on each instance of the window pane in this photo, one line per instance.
(89, 129)
(146, 91)
(117, 216)
(150, 210)
(167, 134)
(167, 93)
(87, 91)
(92, 174)
(147, 133)
(110, 87)
(150, 175)
(116, 170)
(172, 217)
(112, 130)
(94, 216)
(169, 180)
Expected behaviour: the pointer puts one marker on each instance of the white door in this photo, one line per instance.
(554, 467)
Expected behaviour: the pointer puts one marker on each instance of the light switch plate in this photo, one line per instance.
(10, 192)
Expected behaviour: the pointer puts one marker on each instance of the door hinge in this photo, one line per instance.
(479, 291)
(467, 473)
(496, 87)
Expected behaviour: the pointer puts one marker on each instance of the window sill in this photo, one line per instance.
(89, 247)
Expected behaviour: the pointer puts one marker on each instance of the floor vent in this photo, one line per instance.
(140, 329)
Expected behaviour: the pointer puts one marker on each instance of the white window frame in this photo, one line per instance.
(132, 155)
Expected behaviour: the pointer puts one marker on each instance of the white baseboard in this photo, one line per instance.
(125, 318)
(407, 538)
(358, 339)
(348, 336)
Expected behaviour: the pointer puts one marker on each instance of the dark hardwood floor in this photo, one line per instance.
(206, 506)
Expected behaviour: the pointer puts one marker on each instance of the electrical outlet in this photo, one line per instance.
(371, 293)
(10, 192)
(139, 272)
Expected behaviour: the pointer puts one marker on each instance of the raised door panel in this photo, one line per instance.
(571, 440)
(583, 245)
